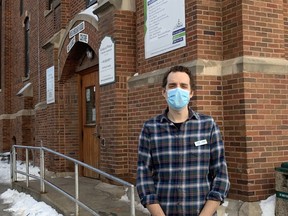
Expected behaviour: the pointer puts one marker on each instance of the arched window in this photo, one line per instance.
(27, 51)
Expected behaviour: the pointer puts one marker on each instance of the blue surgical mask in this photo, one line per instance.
(178, 98)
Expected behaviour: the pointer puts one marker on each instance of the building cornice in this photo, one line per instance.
(218, 68)
(25, 112)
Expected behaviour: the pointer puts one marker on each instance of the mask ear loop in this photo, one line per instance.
(164, 92)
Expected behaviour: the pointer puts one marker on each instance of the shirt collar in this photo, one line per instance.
(192, 114)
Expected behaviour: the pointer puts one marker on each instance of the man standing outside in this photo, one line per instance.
(181, 163)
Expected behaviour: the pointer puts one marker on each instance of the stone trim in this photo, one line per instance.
(255, 64)
(55, 40)
(217, 68)
(107, 5)
(18, 114)
(40, 106)
(83, 16)
(79, 17)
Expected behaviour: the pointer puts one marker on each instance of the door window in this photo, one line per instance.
(90, 105)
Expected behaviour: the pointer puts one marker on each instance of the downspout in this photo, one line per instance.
(38, 53)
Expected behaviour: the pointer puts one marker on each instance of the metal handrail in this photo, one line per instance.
(43, 181)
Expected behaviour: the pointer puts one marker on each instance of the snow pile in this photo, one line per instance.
(5, 177)
(23, 204)
(268, 206)
(138, 205)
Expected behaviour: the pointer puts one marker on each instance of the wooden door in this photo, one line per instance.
(90, 122)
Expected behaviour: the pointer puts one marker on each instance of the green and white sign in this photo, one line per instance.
(164, 26)
(282, 195)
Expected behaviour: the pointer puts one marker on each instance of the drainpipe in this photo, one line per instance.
(38, 55)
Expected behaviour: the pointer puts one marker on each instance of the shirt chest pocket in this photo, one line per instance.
(198, 149)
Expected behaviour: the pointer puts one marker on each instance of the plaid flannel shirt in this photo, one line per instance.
(181, 168)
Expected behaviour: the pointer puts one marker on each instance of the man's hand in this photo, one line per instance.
(155, 210)
(210, 208)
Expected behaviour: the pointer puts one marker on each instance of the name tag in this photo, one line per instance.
(201, 142)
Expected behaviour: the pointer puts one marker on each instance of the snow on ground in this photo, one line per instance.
(138, 205)
(5, 171)
(21, 204)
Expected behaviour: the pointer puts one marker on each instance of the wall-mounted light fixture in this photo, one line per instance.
(89, 53)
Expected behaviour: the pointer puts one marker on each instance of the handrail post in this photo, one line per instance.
(27, 167)
(132, 210)
(42, 171)
(14, 165)
(14, 173)
(76, 189)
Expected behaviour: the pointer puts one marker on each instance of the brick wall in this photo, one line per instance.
(1, 39)
(232, 29)
(6, 63)
(263, 28)
(144, 102)
(206, 21)
(285, 22)
(114, 97)
(5, 135)
(266, 126)
(255, 128)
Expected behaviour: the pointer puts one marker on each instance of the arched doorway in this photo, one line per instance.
(76, 56)
(83, 63)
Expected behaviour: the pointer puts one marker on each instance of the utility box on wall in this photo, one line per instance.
(281, 190)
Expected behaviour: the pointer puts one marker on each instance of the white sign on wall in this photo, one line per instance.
(50, 85)
(164, 27)
(71, 44)
(77, 29)
(83, 38)
(107, 61)
(73, 33)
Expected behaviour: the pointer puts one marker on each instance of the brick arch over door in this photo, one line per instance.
(91, 29)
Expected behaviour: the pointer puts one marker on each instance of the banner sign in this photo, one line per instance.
(164, 26)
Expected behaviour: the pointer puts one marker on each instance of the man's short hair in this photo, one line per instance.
(178, 68)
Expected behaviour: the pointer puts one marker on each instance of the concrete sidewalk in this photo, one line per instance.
(101, 197)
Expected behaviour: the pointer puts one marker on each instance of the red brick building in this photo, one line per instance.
(237, 50)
